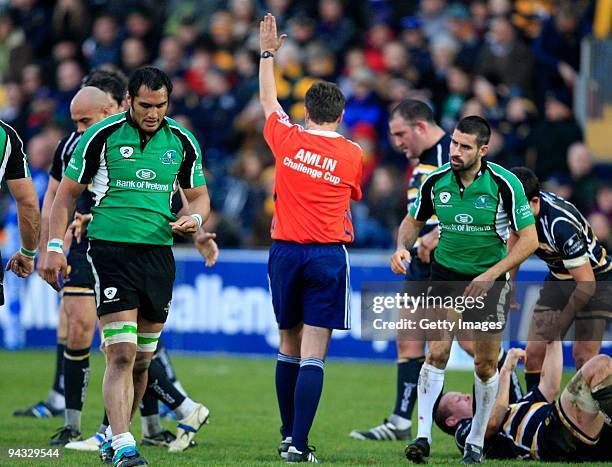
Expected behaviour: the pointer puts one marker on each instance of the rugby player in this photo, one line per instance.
(538, 427)
(477, 203)
(413, 131)
(134, 160)
(577, 287)
(317, 174)
(77, 303)
(14, 169)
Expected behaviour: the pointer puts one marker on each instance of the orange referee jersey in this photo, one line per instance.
(317, 174)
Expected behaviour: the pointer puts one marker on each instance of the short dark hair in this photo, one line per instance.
(324, 102)
(112, 82)
(475, 125)
(529, 180)
(440, 417)
(412, 110)
(150, 77)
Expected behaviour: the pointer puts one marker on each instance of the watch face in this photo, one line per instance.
(267, 54)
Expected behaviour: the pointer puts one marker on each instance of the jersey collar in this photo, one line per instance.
(483, 169)
(142, 134)
(329, 134)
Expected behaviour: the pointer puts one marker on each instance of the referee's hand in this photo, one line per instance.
(55, 265)
(185, 225)
(397, 261)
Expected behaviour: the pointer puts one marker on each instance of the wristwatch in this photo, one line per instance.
(267, 54)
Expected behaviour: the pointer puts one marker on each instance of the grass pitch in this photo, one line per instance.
(244, 423)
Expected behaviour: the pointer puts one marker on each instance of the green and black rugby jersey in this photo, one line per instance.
(474, 221)
(133, 179)
(13, 160)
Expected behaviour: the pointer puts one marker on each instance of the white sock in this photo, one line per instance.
(485, 393)
(151, 425)
(185, 408)
(123, 440)
(400, 423)
(429, 387)
(108, 434)
(56, 400)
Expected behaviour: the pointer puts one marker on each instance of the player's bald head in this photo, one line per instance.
(89, 97)
(89, 106)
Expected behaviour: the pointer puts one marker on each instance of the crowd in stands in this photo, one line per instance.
(512, 62)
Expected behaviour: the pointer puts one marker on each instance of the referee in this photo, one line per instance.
(133, 161)
(317, 173)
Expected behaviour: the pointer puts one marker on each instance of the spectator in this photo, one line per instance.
(335, 29)
(604, 201)
(139, 25)
(70, 21)
(516, 126)
(104, 46)
(557, 50)
(458, 84)
(14, 50)
(434, 17)
(133, 55)
(171, 56)
(584, 183)
(601, 228)
(552, 137)
(506, 59)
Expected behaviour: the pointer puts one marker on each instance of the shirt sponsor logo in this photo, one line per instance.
(523, 211)
(464, 219)
(126, 151)
(483, 202)
(110, 292)
(169, 158)
(572, 245)
(146, 174)
(445, 197)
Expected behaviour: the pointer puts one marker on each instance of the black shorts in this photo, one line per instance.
(560, 440)
(80, 280)
(493, 309)
(555, 294)
(133, 276)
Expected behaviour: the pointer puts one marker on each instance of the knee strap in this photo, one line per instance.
(120, 332)
(580, 394)
(147, 341)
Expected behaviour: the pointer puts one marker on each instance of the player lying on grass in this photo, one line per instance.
(574, 428)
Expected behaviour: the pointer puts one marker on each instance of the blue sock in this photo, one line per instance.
(287, 370)
(307, 395)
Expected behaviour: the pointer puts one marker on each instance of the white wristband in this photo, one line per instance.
(198, 219)
(55, 245)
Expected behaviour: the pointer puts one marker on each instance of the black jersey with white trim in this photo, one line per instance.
(63, 152)
(431, 159)
(566, 239)
(516, 437)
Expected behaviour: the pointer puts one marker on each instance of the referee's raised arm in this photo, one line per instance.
(269, 43)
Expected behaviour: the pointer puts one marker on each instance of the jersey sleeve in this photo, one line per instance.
(570, 243)
(423, 206)
(57, 166)
(191, 172)
(85, 160)
(515, 202)
(356, 193)
(462, 432)
(278, 130)
(17, 163)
